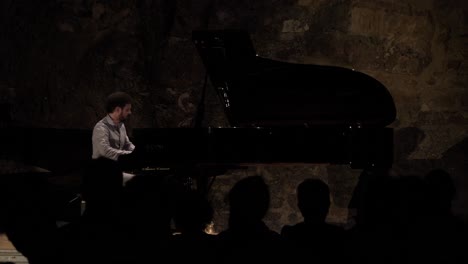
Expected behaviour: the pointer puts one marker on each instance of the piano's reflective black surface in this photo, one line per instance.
(280, 112)
(172, 147)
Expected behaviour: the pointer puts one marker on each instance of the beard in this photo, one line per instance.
(122, 118)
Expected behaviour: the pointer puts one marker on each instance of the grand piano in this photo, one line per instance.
(279, 112)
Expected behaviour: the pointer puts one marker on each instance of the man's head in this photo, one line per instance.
(249, 201)
(119, 104)
(313, 199)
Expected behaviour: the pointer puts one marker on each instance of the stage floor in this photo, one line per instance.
(8, 252)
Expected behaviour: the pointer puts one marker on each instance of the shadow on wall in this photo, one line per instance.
(454, 160)
(407, 140)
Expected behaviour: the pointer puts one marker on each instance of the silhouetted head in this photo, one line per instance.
(370, 197)
(27, 214)
(313, 200)
(193, 212)
(249, 201)
(407, 200)
(103, 182)
(149, 202)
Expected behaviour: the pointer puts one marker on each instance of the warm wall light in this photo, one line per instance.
(210, 229)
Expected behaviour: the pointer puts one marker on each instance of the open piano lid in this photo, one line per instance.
(261, 92)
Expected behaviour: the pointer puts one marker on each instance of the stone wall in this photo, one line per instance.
(60, 58)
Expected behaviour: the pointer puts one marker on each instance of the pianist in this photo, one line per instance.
(104, 178)
(110, 138)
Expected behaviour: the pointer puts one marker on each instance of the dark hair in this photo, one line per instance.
(193, 212)
(249, 198)
(313, 197)
(117, 99)
(312, 190)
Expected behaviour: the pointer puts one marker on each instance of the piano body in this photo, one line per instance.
(279, 113)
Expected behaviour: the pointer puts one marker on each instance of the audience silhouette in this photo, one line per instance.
(397, 219)
(314, 239)
(248, 238)
(146, 218)
(446, 238)
(28, 219)
(192, 216)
